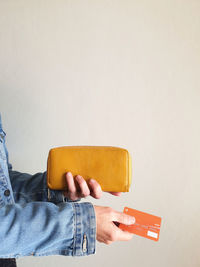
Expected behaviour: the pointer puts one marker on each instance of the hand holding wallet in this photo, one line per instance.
(110, 166)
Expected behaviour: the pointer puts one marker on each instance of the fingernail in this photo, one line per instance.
(69, 173)
(132, 219)
(78, 177)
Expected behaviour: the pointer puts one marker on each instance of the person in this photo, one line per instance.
(38, 221)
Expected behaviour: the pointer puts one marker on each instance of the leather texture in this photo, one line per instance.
(110, 166)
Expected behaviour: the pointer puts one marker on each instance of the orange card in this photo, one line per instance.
(146, 225)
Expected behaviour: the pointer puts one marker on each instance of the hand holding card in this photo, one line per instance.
(146, 225)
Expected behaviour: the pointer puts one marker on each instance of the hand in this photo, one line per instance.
(107, 230)
(77, 188)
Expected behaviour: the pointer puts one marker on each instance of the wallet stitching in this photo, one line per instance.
(127, 161)
(48, 171)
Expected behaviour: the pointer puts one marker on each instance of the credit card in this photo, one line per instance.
(146, 225)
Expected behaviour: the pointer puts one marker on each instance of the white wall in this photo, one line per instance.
(119, 73)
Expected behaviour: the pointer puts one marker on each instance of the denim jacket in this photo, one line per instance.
(37, 221)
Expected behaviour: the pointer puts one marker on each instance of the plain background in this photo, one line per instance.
(116, 73)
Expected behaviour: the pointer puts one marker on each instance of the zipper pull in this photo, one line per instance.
(84, 243)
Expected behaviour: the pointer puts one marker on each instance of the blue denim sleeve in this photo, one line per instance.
(5, 148)
(29, 188)
(43, 228)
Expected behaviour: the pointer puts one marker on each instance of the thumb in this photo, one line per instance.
(123, 218)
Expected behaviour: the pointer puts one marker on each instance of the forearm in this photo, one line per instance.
(43, 228)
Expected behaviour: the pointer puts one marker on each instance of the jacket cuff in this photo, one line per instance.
(57, 196)
(85, 229)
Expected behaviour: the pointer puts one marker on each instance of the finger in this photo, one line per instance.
(115, 193)
(83, 187)
(71, 187)
(70, 183)
(123, 218)
(95, 188)
(123, 235)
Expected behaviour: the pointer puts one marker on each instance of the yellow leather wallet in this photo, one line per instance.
(110, 166)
